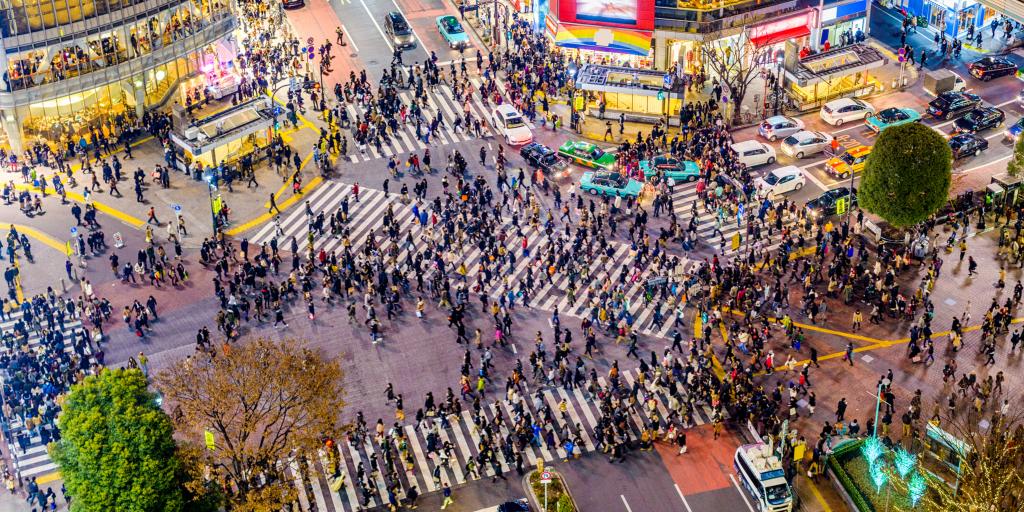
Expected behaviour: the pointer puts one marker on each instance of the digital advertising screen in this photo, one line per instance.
(635, 14)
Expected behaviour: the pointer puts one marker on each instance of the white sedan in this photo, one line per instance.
(780, 181)
(509, 123)
(837, 112)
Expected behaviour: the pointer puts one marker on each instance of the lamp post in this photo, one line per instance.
(778, 82)
(210, 187)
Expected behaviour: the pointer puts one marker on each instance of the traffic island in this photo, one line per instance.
(871, 476)
(558, 497)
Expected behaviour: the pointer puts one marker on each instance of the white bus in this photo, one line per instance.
(763, 477)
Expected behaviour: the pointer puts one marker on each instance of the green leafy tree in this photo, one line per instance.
(116, 450)
(907, 176)
(1016, 163)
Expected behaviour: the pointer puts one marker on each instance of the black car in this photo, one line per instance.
(967, 144)
(292, 4)
(543, 157)
(951, 104)
(825, 204)
(979, 119)
(987, 68)
(520, 505)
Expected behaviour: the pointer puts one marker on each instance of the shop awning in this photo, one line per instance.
(605, 39)
(778, 37)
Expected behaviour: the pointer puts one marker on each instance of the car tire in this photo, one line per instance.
(800, 155)
(772, 138)
(771, 160)
(594, 192)
(839, 122)
(508, 140)
(799, 185)
(977, 152)
(844, 175)
(691, 179)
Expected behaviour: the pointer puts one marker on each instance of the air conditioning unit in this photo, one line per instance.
(192, 133)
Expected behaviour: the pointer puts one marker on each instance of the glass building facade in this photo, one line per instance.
(76, 69)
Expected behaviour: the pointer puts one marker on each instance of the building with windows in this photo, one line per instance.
(75, 69)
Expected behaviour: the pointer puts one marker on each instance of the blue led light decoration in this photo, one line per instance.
(878, 473)
(905, 462)
(872, 449)
(916, 488)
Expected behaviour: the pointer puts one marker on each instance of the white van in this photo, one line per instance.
(753, 153)
(762, 476)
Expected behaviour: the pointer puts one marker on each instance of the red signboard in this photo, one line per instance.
(635, 14)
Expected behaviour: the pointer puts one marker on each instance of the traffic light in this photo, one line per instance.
(310, 52)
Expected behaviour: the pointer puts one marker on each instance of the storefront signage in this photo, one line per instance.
(843, 12)
(780, 30)
(637, 14)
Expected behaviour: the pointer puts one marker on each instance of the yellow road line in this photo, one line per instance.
(819, 497)
(78, 166)
(77, 197)
(49, 477)
(287, 185)
(315, 182)
(39, 235)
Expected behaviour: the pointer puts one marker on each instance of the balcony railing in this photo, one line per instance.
(709, 18)
(213, 30)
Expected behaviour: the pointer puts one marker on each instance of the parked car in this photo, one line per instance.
(777, 127)
(850, 162)
(542, 157)
(753, 153)
(509, 123)
(979, 119)
(987, 68)
(398, 29)
(893, 116)
(669, 168)
(951, 104)
(825, 204)
(837, 112)
(293, 4)
(452, 32)
(587, 155)
(609, 184)
(967, 144)
(781, 181)
(806, 142)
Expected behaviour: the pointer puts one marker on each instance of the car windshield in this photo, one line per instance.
(401, 27)
(771, 178)
(791, 141)
(942, 101)
(452, 25)
(777, 493)
(847, 157)
(596, 153)
(891, 114)
(548, 158)
(513, 121)
(975, 115)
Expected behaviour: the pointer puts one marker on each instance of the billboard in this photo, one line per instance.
(635, 14)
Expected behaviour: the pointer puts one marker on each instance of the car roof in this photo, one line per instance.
(806, 134)
(787, 170)
(395, 15)
(505, 109)
(859, 150)
(779, 119)
(746, 144)
(841, 102)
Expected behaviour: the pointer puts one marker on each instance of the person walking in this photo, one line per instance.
(447, 493)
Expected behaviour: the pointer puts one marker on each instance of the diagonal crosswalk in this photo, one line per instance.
(683, 197)
(461, 439)
(27, 443)
(409, 138)
(366, 219)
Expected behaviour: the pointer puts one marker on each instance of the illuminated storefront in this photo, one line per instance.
(229, 135)
(79, 71)
(607, 32)
(638, 93)
(841, 22)
(839, 73)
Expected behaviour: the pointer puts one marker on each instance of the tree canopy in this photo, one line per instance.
(907, 176)
(116, 450)
(263, 402)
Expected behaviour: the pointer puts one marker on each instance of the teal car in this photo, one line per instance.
(669, 168)
(452, 32)
(892, 117)
(609, 184)
(587, 155)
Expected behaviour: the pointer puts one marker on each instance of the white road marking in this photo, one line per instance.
(626, 503)
(810, 175)
(374, 21)
(975, 168)
(350, 41)
(743, 494)
(683, 498)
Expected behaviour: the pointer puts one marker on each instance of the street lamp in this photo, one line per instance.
(210, 187)
(778, 82)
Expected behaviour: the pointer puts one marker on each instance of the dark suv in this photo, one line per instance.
(399, 31)
(825, 204)
(981, 118)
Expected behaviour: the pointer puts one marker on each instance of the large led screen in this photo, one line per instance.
(635, 14)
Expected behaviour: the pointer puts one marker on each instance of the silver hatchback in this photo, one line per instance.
(806, 143)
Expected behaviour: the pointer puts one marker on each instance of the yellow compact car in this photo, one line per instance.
(850, 162)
